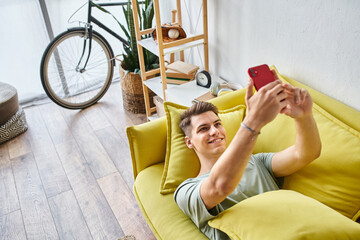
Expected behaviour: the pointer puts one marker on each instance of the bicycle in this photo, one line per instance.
(77, 66)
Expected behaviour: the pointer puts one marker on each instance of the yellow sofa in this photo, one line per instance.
(322, 201)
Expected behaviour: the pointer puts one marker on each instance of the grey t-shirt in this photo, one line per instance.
(258, 178)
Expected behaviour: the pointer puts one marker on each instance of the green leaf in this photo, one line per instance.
(139, 14)
(130, 56)
(149, 13)
(99, 7)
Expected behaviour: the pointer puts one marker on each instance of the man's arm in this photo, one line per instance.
(307, 145)
(226, 173)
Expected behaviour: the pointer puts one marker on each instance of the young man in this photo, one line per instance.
(230, 175)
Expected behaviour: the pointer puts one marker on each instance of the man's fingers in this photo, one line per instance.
(304, 95)
(285, 111)
(300, 95)
(282, 96)
(284, 106)
(249, 91)
(278, 89)
(271, 85)
(297, 96)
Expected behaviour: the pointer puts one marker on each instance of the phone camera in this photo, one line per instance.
(252, 72)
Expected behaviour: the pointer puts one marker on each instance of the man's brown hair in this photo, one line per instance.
(196, 109)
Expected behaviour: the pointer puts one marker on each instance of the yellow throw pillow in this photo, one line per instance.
(181, 162)
(284, 214)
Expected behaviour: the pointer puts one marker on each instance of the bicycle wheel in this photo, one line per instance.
(64, 79)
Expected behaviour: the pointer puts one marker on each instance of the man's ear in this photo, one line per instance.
(188, 142)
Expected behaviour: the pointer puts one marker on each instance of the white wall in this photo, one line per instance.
(313, 41)
(22, 42)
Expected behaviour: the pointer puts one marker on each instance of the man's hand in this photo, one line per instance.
(307, 145)
(299, 102)
(264, 106)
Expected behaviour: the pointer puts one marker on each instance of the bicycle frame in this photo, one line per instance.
(88, 29)
(97, 22)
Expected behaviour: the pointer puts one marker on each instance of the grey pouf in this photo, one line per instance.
(12, 116)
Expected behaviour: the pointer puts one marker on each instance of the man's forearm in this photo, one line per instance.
(229, 168)
(306, 149)
(231, 165)
(307, 143)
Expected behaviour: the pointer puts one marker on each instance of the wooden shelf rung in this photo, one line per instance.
(147, 31)
(152, 72)
(183, 41)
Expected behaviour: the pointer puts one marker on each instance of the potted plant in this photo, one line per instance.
(131, 83)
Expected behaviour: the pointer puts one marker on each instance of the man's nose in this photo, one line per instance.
(213, 130)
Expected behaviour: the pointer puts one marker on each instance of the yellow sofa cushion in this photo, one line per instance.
(284, 214)
(181, 162)
(162, 214)
(334, 177)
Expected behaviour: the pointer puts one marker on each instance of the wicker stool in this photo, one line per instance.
(12, 117)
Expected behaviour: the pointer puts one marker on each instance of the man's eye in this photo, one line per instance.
(218, 124)
(202, 129)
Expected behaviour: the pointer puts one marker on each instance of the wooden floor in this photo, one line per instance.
(70, 175)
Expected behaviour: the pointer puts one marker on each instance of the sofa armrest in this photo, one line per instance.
(147, 144)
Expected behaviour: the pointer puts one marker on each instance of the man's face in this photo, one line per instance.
(208, 136)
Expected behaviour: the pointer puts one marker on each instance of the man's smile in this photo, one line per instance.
(216, 140)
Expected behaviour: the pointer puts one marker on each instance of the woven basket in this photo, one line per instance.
(132, 92)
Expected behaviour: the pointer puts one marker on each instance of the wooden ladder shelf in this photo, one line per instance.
(161, 49)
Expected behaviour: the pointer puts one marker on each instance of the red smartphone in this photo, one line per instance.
(261, 75)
